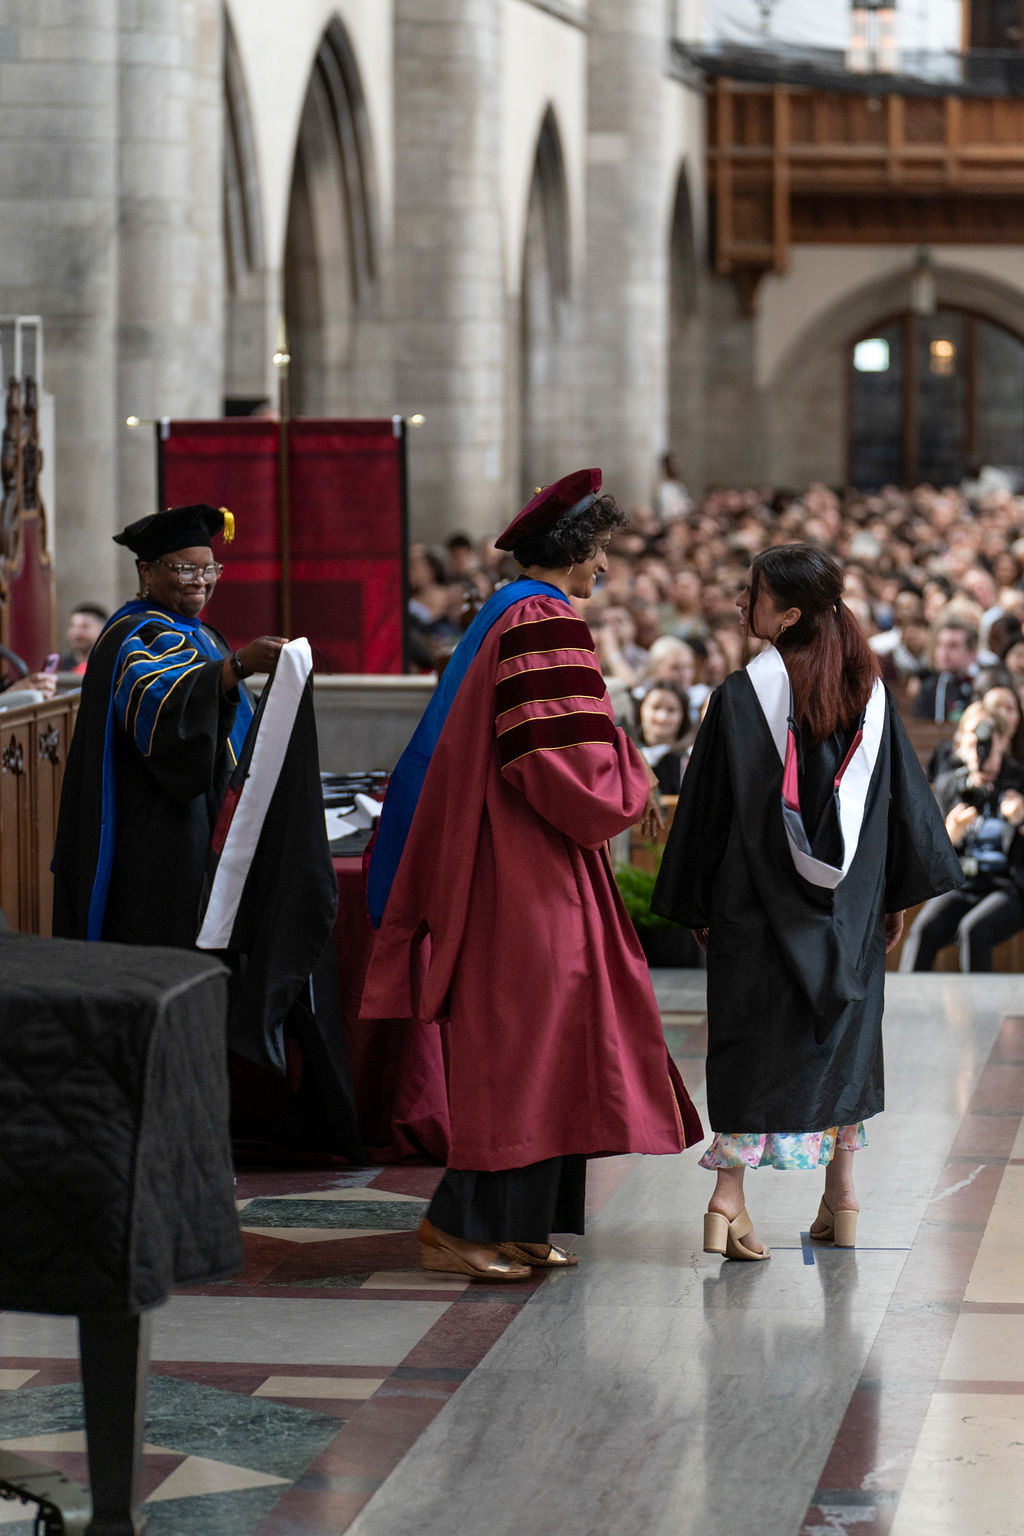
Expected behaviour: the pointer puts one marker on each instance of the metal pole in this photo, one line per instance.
(281, 361)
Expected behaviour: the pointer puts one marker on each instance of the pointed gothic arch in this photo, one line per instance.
(246, 342)
(332, 246)
(546, 410)
(682, 364)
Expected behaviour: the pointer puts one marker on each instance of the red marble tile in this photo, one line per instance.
(939, 1264)
(262, 1255)
(983, 1387)
(1001, 1087)
(969, 1205)
(245, 1378)
(375, 1440)
(981, 1136)
(312, 1512)
(875, 1520)
(338, 1255)
(876, 1439)
(463, 1335)
(1009, 1045)
(311, 1291)
(49, 1373)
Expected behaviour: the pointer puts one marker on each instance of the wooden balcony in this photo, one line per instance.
(790, 163)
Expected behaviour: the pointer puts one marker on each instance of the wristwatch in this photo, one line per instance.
(237, 666)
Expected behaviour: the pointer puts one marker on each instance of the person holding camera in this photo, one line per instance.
(983, 804)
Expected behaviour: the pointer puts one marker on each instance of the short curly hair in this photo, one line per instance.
(572, 539)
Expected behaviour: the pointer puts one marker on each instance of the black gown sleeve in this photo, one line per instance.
(920, 859)
(700, 828)
(169, 703)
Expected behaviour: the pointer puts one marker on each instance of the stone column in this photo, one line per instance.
(625, 330)
(58, 256)
(171, 300)
(448, 283)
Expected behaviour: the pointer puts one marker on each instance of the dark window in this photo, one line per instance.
(934, 396)
(997, 24)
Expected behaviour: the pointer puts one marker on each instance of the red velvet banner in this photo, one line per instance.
(346, 530)
(30, 599)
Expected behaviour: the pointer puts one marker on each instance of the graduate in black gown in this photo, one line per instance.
(161, 722)
(804, 827)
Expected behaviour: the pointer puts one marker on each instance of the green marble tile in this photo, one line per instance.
(251, 1432)
(40, 1411)
(226, 1514)
(337, 1214)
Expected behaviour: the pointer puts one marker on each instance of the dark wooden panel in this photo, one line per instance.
(33, 752)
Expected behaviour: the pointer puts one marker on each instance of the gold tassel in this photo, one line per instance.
(228, 530)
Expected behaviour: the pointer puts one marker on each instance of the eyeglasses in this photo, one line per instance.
(187, 573)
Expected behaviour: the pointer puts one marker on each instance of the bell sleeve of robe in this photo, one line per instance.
(700, 829)
(557, 740)
(920, 859)
(168, 700)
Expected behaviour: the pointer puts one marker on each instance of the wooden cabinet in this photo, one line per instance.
(33, 751)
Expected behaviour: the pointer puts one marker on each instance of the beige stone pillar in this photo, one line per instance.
(448, 329)
(625, 331)
(171, 290)
(58, 256)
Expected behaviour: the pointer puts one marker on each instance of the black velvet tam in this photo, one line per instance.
(175, 528)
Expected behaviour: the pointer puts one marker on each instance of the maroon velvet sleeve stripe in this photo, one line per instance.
(538, 683)
(545, 635)
(549, 735)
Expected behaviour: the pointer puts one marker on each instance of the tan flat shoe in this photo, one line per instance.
(724, 1236)
(556, 1258)
(448, 1255)
(836, 1227)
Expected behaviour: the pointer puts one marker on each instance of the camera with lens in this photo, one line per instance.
(984, 733)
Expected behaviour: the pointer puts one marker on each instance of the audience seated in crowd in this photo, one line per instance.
(934, 577)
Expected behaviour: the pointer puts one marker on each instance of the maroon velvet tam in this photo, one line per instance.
(573, 493)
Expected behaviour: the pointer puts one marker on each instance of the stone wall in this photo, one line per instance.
(59, 216)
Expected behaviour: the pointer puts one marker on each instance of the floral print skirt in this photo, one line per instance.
(782, 1149)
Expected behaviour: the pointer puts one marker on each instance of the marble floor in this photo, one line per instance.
(655, 1391)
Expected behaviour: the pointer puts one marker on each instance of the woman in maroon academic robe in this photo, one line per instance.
(504, 917)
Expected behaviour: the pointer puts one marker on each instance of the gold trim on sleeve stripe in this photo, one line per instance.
(520, 654)
(566, 747)
(565, 714)
(562, 714)
(147, 681)
(163, 701)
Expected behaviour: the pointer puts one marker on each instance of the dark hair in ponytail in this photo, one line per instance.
(830, 664)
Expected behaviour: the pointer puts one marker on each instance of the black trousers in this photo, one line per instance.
(513, 1205)
(976, 920)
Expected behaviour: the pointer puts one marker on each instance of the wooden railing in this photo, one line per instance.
(33, 752)
(790, 163)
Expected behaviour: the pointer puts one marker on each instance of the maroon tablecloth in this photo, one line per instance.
(397, 1065)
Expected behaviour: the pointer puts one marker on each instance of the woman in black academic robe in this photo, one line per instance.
(804, 827)
(159, 728)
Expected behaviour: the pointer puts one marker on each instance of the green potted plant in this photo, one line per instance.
(664, 943)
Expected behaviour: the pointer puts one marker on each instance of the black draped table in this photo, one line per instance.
(116, 1180)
